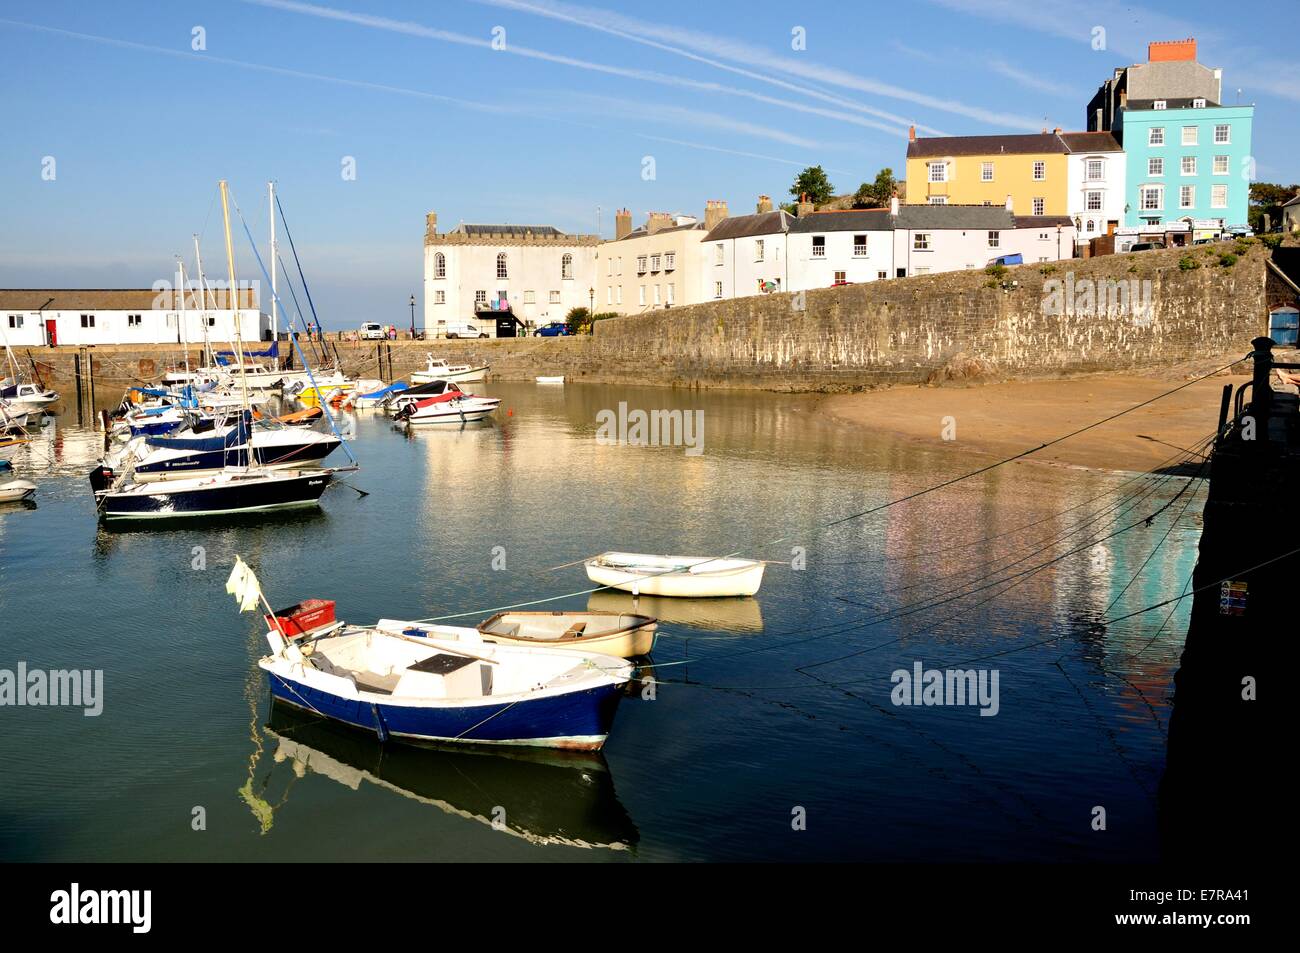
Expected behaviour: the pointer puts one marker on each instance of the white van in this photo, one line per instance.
(464, 329)
(373, 332)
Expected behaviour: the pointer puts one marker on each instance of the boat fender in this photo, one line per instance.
(381, 730)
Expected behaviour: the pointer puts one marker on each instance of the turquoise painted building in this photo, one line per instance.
(1187, 160)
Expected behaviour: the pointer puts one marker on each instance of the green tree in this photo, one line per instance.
(813, 182)
(579, 320)
(1267, 198)
(878, 193)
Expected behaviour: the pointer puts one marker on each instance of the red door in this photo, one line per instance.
(52, 332)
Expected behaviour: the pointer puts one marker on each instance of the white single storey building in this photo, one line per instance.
(32, 317)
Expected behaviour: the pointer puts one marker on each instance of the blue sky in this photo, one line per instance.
(141, 126)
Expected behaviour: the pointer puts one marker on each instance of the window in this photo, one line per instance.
(87, 320)
(1218, 196)
(530, 297)
(1155, 166)
(758, 249)
(1222, 134)
(566, 266)
(1187, 196)
(641, 293)
(1092, 201)
(1198, 103)
(212, 322)
(656, 261)
(986, 171)
(15, 320)
(819, 246)
(641, 265)
(1044, 236)
(882, 275)
(620, 265)
(1040, 171)
(717, 289)
(938, 200)
(440, 296)
(480, 297)
(134, 320)
(995, 239)
(502, 271)
(1159, 104)
(440, 265)
(1189, 135)
(554, 297)
(921, 241)
(670, 262)
(841, 277)
(1039, 205)
(1156, 136)
(610, 272)
(1096, 170)
(718, 253)
(1189, 165)
(672, 293)
(938, 171)
(609, 294)
(618, 295)
(1220, 165)
(1092, 225)
(1152, 197)
(656, 294)
(859, 246)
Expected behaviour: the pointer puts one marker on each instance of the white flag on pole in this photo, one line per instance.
(243, 585)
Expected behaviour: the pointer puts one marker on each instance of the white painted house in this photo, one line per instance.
(1095, 181)
(837, 247)
(32, 317)
(474, 273)
(935, 238)
(746, 255)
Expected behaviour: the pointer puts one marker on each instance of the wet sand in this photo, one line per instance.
(1001, 419)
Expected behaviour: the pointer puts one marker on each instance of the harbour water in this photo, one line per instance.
(738, 750)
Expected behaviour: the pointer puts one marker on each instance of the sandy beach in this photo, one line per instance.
(1001, 419)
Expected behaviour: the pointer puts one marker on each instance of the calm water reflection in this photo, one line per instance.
(759, 705)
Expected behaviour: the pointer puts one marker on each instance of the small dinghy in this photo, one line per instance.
(439, 370)
(427, 690)
(680, 576)
(550, 380)
(620, 634)
(16, 491)
(452, 406)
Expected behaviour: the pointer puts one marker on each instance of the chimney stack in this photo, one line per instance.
(764, 204)
(657, 222)
(622, 224)
(1009, 207)
(715, 212)
(1170, 51)
(431, 223)
(1057, 131)
(804, 207)
(893, 206)
(911, 133)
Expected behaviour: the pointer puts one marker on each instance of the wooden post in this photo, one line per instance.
(1261, 390)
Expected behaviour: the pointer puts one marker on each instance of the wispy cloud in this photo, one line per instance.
(1032, 80)
(714, 50)
(420, 30)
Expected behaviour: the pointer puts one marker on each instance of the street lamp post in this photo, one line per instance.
(412, 317)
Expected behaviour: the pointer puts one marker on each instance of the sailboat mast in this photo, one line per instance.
(208, 358)
(185, 337)
(275, 325)
(230, 264)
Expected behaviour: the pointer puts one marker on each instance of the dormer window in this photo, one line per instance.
(1159, 104)
(1198, 103)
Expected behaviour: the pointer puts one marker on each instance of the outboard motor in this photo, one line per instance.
(101, 478)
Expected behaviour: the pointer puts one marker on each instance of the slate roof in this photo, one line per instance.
(745, 226)
(640, 231)
(940, 146)
(548, 231)
(106, 299)
(991, 217)
(1043, 221)
(1091, 142)
(849, 220)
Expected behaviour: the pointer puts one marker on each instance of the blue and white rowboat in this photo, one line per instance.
(424, 690)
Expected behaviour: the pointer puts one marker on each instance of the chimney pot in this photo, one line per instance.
(622, 224)
(764, 204)
(911, 133)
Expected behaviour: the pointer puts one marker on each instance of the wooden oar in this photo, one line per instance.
(426, 642)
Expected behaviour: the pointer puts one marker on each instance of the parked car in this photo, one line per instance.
(1239, 231)
(1146, 246)
(465, 329)
(373, 332)
(556, 329)
(840, 284)
(1016, 259)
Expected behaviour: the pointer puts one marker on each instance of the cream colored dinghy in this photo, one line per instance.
(16, 490)
(690, 577)
(620, 634)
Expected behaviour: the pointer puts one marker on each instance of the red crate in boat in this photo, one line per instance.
(306, 616)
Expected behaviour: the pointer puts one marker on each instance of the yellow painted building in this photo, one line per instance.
(1031, 170)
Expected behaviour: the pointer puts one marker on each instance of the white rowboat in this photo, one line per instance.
(680, 576)
(16, 490)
